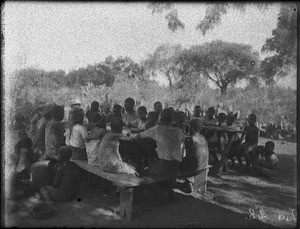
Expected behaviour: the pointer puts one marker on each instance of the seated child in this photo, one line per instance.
(251, 139)
(140, 122)
(65, 186)
(109, 158)
(94, 137)
(76, 134)
(264, 156)
(170, 142)
(116, 112)
(197, 153)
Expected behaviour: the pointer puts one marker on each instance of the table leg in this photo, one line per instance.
(126, 195)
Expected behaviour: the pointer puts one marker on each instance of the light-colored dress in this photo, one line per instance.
(109, 158)
(95, 136)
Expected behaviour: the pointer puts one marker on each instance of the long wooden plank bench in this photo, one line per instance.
(127, 182)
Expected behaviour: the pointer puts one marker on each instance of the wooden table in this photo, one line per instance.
(225, 149)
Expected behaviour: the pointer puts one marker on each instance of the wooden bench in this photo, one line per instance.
(127, 182)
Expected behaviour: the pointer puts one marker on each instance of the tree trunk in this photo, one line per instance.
(223, 91)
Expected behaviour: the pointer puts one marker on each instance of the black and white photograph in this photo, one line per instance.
(149, 114)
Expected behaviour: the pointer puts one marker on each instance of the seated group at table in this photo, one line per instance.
(180, 143)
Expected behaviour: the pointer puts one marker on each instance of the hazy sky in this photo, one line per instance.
(67, 36)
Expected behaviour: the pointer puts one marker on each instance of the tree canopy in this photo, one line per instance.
(164, 61)
(283, 42)
(284, 36)
(224, 63)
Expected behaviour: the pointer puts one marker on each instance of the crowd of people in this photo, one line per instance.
(166, 142)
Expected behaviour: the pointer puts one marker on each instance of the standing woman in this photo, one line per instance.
(76, 133)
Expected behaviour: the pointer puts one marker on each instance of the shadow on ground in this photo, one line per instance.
(98, 210)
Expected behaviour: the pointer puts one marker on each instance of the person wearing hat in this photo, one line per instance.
(39, 147)
(170, 142)
(65, 186)
(68, 109)
(76, 103)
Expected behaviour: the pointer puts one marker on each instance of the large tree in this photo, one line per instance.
(283, 40)
(105, 73)
(164, 61)
(224, 63)
(284, 43)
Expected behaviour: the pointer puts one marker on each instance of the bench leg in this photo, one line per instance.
(201, 182)
(126, 195)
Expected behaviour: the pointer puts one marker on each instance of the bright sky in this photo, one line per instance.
(67, 36)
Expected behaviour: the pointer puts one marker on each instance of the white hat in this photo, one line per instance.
(75, 101)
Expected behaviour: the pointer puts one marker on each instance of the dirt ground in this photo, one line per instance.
(234, 200)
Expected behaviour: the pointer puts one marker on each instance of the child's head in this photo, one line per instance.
(221, 118)
(26, 143)
(47, 110)
(95, 106)
(142, 112)
(210, 112)
(22, 134)
(64, 153)
(269, 146)
(252, 119)
(158, 106)
(196, 126)
(229, 120)
(117, 110)
(58, 113)
(116, 124)
(101, 123)
(197, 110)
(129, 104)
(181, 116)
(77, 116)
(166, 116)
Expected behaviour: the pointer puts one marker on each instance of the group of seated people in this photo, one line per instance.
(179, 143)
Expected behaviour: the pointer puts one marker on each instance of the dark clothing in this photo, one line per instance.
(33, 123)
(40, 133)
(54, 137)
(66, 182)
(138, 152)
(89, 114)
(163, 167)
(78, 153)
(251, 135)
